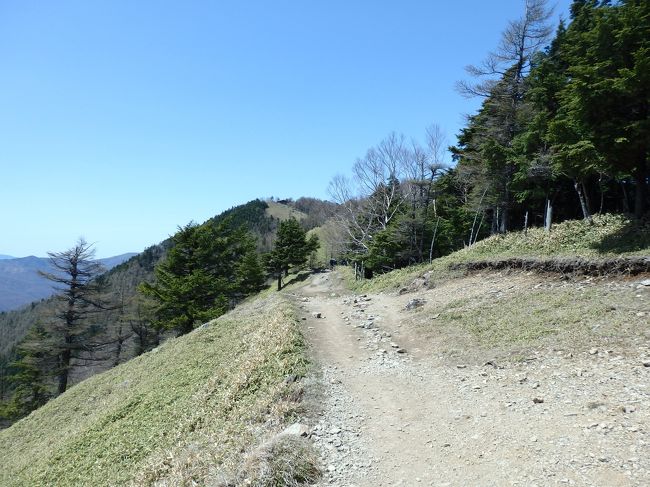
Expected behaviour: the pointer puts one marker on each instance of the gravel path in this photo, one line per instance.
(396, 412)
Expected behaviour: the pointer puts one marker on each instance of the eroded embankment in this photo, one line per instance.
(623, 266)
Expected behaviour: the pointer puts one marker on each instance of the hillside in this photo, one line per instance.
(441, 374)
(130, 323)
(431, 373)
(179, 415)
(20, 283)
(608, 237)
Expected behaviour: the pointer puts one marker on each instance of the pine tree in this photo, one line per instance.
(292, 249)
(203, 275)
(31, 375)
(75, 275)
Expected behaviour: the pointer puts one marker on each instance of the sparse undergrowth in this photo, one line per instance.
(192, 412)
(524, 316)
(608, 236)
(465, 314)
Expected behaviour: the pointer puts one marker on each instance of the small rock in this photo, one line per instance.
(296, 429)
(415, 303)
(628, 409)
(400, 350)
(646, 363)
(538, 400)
(461, 366)
(645, 282)
(316, 314)
(593, 351)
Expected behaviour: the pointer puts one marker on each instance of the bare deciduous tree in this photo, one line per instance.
(374, 196)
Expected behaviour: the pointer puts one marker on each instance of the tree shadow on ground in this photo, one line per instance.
(296, 278)
(634, 236)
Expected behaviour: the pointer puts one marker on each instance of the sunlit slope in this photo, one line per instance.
(185, 411)
(608, 236)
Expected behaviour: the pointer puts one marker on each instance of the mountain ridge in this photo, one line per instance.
(20, 283)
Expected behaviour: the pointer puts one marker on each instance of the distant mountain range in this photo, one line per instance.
(20, 283)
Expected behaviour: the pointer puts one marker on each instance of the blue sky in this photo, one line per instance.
(120, 120)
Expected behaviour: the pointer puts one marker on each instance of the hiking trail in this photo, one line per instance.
(395, 411)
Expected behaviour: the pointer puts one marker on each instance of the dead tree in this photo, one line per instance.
(74, 274)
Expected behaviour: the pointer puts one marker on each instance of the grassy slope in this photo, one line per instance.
(608, 236)
(512, 312)
(184, 411)
(283, 212)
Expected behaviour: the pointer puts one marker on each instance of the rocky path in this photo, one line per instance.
(394, 412)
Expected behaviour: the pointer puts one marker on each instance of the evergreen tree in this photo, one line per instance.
(605, 102)
(31, 375)
(292, 249)
(75, 277)
(204, 274)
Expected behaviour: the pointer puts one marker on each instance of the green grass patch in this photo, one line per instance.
(608, 236)
(283, 212)
(183, 414)
(529, 316)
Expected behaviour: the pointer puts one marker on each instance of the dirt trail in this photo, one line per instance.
(397, 412)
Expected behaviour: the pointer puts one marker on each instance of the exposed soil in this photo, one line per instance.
(397, 408)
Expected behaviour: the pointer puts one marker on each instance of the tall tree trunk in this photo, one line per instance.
(548, 218)
(641, 190)
(583, 203)
(64, 367)
(626, 201)
(279, 280)
(601, 190)
(505, 212)
(433, 239)
(503, 226)
(526, 223)
(119, 345)
(585, 192)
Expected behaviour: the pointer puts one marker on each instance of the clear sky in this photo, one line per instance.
(121, 119)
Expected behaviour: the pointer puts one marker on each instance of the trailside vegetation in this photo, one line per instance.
(292, 249)
(209, 268)
(563, 132)
(198, 274)
(201, 410)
